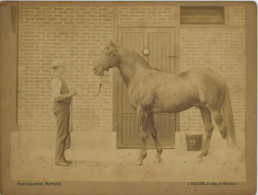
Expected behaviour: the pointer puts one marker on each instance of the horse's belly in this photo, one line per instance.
(174, 95)
(175, 103)
(171, 108)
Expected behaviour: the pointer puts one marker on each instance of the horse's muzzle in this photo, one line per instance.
(98, 71)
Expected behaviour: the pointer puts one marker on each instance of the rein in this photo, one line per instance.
(100, 86)
(105, 67)
(71, 111)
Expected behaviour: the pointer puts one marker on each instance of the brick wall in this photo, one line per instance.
(147, 15)
(222, 49)
(237, 15)
(77, 35)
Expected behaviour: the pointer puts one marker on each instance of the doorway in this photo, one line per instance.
(160, 42)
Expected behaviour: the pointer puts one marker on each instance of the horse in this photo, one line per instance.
(155, 91)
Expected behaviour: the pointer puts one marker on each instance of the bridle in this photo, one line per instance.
(104, 67)
(105, 64)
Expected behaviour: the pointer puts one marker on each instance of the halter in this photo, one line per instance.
(104, 65)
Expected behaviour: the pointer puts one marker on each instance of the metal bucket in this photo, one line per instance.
(193, 142)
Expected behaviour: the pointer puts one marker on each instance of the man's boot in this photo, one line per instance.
(59, 160)
(67, 161)
(62, 164)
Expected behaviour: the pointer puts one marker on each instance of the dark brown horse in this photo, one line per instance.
(153, 91)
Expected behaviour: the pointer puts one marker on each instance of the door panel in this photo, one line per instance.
(130, 129)
(159, 48)
(159, 41)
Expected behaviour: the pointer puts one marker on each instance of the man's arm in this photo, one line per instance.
(65, 96)
(56, 87)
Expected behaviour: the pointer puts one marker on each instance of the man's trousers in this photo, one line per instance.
(62, 113)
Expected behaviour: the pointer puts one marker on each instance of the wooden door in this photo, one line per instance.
(160, 42)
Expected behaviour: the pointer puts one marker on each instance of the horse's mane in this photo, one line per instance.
(140, 59)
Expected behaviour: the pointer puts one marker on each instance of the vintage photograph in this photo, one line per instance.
(128, 92)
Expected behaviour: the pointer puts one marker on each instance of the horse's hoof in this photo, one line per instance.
(157, 160)
(139, 163)
(143, 156)
(202, 155)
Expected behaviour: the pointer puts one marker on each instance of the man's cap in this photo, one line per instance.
(56, 63)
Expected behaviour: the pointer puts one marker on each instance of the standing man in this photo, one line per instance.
(62, 99)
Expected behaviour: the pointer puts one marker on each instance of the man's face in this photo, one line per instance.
(61, 70)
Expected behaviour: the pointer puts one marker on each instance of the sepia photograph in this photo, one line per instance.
(122, 94)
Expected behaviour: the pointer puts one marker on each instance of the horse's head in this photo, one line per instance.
(108, 59)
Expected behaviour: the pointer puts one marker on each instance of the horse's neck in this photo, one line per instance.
(127, 72)
(130, 66)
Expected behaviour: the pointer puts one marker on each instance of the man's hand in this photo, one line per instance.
(66, 96)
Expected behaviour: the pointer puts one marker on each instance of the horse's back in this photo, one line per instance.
(177, 92)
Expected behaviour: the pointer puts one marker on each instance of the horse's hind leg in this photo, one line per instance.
(207, 121)
(153, 130)
(142, 116)
(218, 117)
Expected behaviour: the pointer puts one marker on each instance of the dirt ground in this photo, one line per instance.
(34, 161)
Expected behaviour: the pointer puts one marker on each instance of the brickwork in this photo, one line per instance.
(224, 51)
(146, 15)
(77, 35)
(237, 15)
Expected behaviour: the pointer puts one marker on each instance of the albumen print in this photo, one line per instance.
(129, 92)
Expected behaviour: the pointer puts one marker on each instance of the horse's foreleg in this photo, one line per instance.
(143, 128)
(153, 130)
(207, 121)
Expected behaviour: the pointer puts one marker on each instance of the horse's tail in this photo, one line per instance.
(228, 116)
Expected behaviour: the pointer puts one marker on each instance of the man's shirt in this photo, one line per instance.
(56, 86)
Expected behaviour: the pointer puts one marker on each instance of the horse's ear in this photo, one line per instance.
(111, 43)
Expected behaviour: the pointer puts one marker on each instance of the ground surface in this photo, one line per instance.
(33, 161)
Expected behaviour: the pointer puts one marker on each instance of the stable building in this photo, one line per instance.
(170, 37)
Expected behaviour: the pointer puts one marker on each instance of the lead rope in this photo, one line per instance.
(100, 86)
(68, 139)
(71, 105)
(71, 116)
